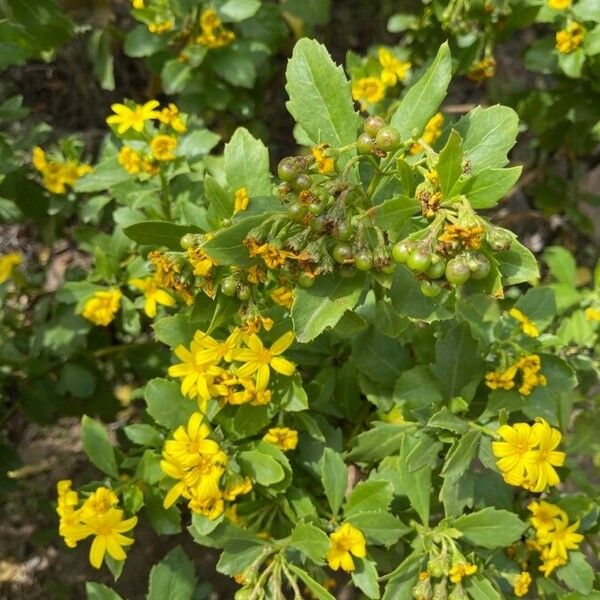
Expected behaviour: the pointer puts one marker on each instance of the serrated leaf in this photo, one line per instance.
(383, 440)
(173, 577)
(577, 574)
(392, 213)
(319, 92)
(96, 445)
(490, 528)
(379, 526)
(310, 540)
(423, 99)
(460, 456)
(261, 467)
(247, 164)
(490, 185)
(368, 496)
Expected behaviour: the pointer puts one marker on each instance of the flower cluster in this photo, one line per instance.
(214, 33)
(569, 39)
(102, 307)
(371, 89)
(528, 327)
(482, 69)
(58, 175)
(167, 275)
(237, 370)
(554, 536)
(97, 515)
(152, 146)
(528, 366)
(8, 263)
(527, 455)
(458, 236)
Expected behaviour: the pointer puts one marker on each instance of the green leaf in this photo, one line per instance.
(393, 213)
(174, 76)
(383, 440)
(202, 525)
(488, 134)
(417, 387)
(316, 588)
(158, 233)
(423, 99)
(247, 164)
(174, 577)
(96, 445)
(404, 577)
(490, 185)
(365, 577)
(517, 265)
(415, 484)
(490, 528)
(322, 306)
(261, 467)
(166, 405)
(481, 589)
(140, 42)
(235, 66)
(310, 540)
(101, 54)
(238, 555)
(572, 63)
(538, 304)
(562, 264)
(444, 419)
(379, 526)
(368, 496)
(460, 456)
(457, 360)
(577, 574)
(221, 203)
(319, 92)
(99, 591)
(143, 435)
(335, 478)
(238, 10)
(174, 330)
(165, 521)
(105, 175)
(449, 166)
(227, 247)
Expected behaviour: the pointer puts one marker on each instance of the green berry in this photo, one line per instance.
(289, 168)
(365, 144)
(388, 138)
(347, 271)
(342, 231)
(302, 182)
(498, 239)
(480, 266)
(373, 125)
(437, 268)
(431, 289)
(226, 222)
(419, 260)
(187, 241)
(305, 280)
(342, 253)
(243, 292)
(296, 211)
(457, 271)
(364, 260)
(229, 286)
(316, 208)
(319, 224)
(401, 250)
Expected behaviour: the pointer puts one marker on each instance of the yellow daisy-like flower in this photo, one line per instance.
(241, 200)
(126, 118)
(261, 360)
(214, 33)
(130, 160)
(171, 116)
(190, 442)
(393, 69)
(503, 380)
(8, 262)
(569, 39)
(521, 584)
(163, 147)
(458, 571)
(543, 515)
(518, 440)
(108, 529)
(99, 502)
(560, 539)
(282, 437)
(345, 542)
(368, 90)
(101, 308)
(592, 314)
(540, 463)
(527, 326)
(153, 295)
(560, 4)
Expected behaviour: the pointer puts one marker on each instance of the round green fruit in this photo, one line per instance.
(243, 292)
(305, 280)
(431, 289)
(302, 182)
(480, 266)
(229, 286)
(342, 253)
(365, 144)
(373, 125)
(437, 268)
(364, 260)
(419, 260)
(289, 168)
(388, 138)
(187, 241)
(319, 224)
(457, 271)
(342, 231)
(316, 208)
(296, 211)
(401, 250)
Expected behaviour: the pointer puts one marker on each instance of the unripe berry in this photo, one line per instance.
(347, 271)
(365, 144)
(289, 168)
(296, 211)
(372, 125)
(187, 241)
(342, 253)
(364, 260)
(342, 231)
(498, 239)
(431, 289)
(305, 280)
(437, 267)
(243, 292)
(302, 182)
(401, 250)
(388, 139)
(319, 224)
(229, 286)
(480, 266)
(316, 208)
(457, 271)
(419, 260)
(226, 222)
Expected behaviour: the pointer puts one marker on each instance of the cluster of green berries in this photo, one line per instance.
(377, 137)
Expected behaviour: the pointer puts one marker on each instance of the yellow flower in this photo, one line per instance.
(540, 463)
(8, 262)
(457, 572)
(482, 69)
(255, 323)
(70, 516)
(161, 26)
(560, 4)
(210, 505)
(214, 33)
(130, 160)
(283, 296)
(543, 515)
(126, 118)
(137, 4)
(528, 327)
(549, 564)
(592, 314)
(201, 262)
(101, 308)
(210, 351)
(153, 293)
(171, 116)
(282, 437)
(503, 380)
(325, 164)
(261, 360)
(368, 90)
(239, 488)
(560, 539)
(162, 147)
(530, 366)
(241, 200)
(394, 69)
(56, 175)
(468, 237)
(433, 130)
(167, 275)
(569, 39)
(38, 159)
(99, 502)
(519, 440)
(344, 542)
(108, 529)
(522, 583)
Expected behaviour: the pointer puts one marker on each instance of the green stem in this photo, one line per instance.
(484, 429)
(165, 195)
